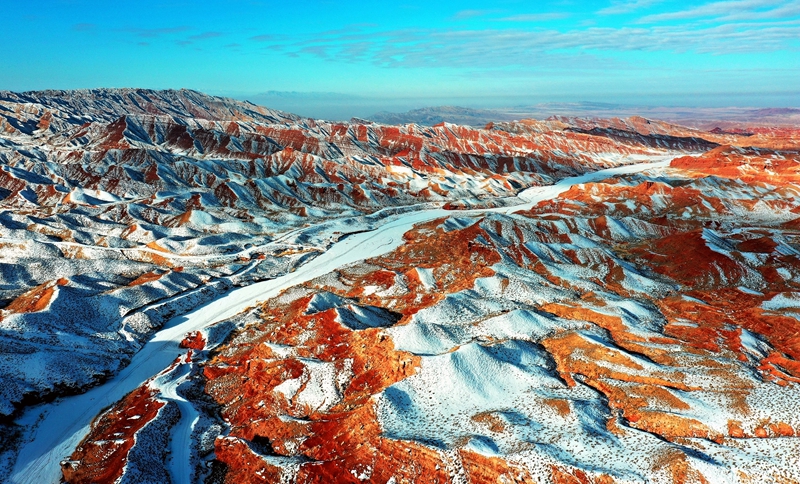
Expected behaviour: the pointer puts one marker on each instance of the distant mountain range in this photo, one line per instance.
(703, 118)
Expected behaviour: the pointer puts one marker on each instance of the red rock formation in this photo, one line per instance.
(751, 165)
(194, 341)
(36, 299)
(102, 455)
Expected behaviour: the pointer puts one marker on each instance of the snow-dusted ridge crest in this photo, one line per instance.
(108, 104)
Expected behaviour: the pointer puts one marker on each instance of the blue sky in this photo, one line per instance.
(409, 53)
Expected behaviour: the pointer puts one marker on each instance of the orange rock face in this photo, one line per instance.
(752, 165)
(37, 299)
(145, 278)
(194, 341)
(665, 319)
(102, 455)
(341, 438)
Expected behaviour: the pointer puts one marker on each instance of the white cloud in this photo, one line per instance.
(535, 17)
(732, 10)
(620, 7)
(468, 14)
(540, 47)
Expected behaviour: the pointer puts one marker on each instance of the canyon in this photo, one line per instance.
(197, 289)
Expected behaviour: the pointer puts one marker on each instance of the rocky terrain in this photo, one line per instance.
(638, 326)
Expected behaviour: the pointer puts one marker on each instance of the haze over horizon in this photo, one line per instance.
(328, 59)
